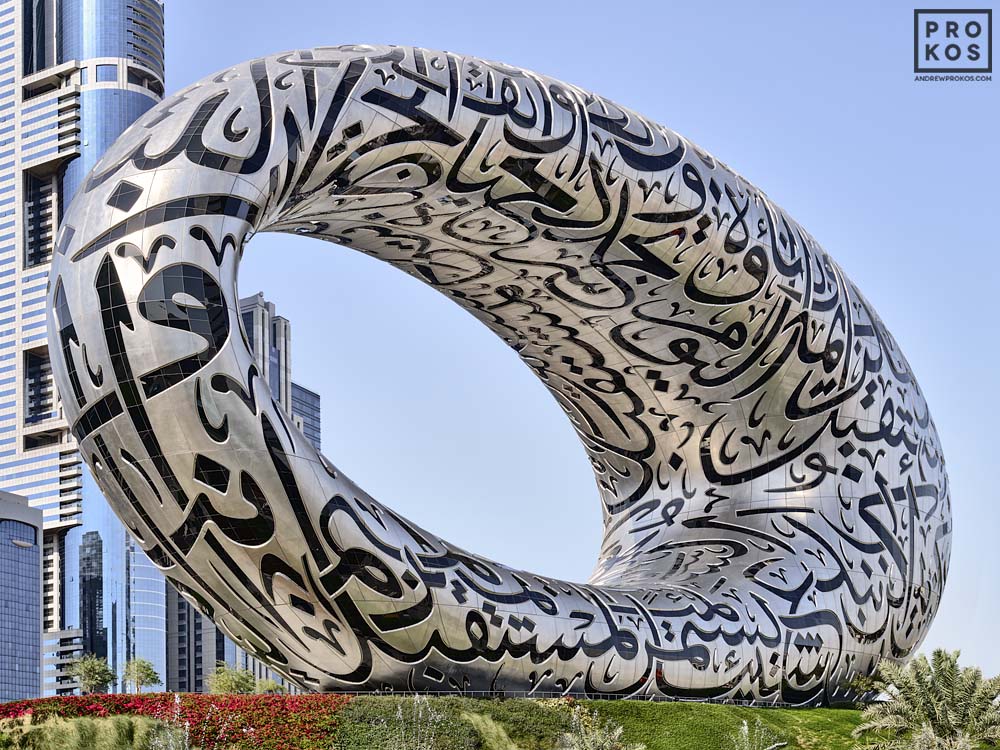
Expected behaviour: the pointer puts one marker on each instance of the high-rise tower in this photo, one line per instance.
(95, 632)
(21, 607)
(74, 74)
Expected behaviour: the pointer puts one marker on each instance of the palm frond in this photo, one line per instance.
(933, 703)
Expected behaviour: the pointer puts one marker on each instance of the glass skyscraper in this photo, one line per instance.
(21, 605)
(91, 567)
(115, 597)
(73, 75)
(270, 338)
(306, 413)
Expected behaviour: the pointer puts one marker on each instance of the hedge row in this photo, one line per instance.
(253, 722)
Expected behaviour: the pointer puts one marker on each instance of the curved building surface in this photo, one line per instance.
(776, 507)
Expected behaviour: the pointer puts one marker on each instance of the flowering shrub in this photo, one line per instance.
(246, 722)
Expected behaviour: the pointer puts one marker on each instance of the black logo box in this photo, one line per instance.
(985, 13)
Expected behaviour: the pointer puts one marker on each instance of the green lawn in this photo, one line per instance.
(699, 726)
(527, 725)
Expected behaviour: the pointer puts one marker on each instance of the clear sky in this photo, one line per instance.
(813, 102)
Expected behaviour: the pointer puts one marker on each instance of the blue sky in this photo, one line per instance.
(813, 102)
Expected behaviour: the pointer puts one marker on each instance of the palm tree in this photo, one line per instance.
(932, 705)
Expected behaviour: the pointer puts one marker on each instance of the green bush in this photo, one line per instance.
(226, 680)
(113, 733)
(530, 724)
(386, 723)
(390, 723)
(492, 736)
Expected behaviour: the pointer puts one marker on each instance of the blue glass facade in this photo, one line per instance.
(306, 413)
(122, 610)
(95, 632)
(117, 602)
(112, 28)
(21, 604)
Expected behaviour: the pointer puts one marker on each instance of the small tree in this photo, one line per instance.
(140, 673)
(227, 680)
(932, 704)
(267, 685)
(866, 687)
(93, 674)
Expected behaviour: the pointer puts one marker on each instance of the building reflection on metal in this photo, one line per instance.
(775, 501)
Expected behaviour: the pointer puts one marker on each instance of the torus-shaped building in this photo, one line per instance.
(776, 508)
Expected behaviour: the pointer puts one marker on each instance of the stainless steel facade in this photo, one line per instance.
(194, 644)
(73, 75)
(776, 507)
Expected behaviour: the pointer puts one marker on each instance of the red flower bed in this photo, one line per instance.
(254, 722)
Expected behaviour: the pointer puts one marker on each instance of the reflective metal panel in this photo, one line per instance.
(776, 507)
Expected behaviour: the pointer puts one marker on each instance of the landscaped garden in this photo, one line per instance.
(165, 721)
(929, 705)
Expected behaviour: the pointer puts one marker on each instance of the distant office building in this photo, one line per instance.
(95, 633)
(306, 413)
(74, 74)
(194, 644)
(270, 337)
(21, 603)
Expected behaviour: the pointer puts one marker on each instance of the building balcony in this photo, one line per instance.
(54, 136)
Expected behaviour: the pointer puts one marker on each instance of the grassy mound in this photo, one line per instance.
(517, 724)
(690, 726)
